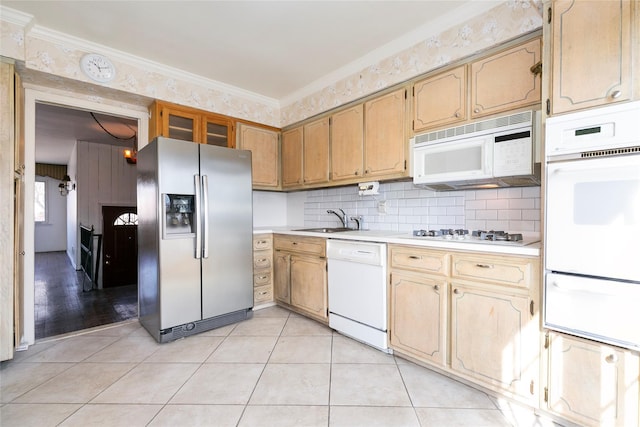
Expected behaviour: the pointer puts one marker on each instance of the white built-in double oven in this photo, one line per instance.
(592, 217)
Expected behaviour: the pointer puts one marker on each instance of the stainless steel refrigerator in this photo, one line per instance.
(195, 226)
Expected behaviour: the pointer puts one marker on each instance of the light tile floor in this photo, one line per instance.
(276, 369)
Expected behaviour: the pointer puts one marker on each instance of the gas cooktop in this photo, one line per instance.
(477, 236)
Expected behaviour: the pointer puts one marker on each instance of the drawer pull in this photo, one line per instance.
(484, 265)
(262, 260)
(262, 242)
(414, 257)
(262, 277)
(263, 293)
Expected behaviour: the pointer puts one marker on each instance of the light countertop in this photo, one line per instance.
(404, 238)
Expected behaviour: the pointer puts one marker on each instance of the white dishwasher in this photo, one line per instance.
(357, 290)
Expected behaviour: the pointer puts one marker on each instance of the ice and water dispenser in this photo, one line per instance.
(179, 219)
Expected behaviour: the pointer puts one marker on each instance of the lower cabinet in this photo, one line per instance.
(591, 384)
(473, 315)
(262, 269)
(418, 302)
(300, 275)
(493, 339)
(419, 315)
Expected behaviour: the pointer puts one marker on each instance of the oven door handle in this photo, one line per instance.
(591, 289)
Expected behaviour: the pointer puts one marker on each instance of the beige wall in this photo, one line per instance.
(6, 210)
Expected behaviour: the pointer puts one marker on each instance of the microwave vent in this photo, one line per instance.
(486, 125)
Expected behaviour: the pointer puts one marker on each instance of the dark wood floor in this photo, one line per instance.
(61, 305)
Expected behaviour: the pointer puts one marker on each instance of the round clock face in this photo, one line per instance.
(98, 67)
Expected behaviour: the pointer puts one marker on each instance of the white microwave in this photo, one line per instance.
(500, 152)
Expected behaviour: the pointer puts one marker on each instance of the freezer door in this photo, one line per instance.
(179, 281)
(227, 263)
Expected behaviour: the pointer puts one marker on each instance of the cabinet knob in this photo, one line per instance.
(436, 287)
(612, 358)
(357, 172)
(476, 110)
(456, 291)
(457, 114)
(616, 94)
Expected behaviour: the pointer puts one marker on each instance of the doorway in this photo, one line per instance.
(120, 237)
(33, 97)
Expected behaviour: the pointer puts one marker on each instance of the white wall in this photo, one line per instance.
(51, 235)
(72, 209)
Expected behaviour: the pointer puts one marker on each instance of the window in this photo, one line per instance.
(128, 218)
(40, 205)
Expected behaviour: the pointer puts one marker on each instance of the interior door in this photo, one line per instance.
(120, 237)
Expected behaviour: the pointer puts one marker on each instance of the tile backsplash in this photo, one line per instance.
(401, 206)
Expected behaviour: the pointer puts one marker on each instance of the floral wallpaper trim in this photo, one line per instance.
(502, 23)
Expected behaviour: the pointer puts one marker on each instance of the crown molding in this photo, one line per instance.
(447, 21)
(15, 17)
(57, 37)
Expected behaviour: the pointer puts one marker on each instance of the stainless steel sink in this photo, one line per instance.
(325, 229)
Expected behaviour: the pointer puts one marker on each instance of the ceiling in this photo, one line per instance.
(276, 49)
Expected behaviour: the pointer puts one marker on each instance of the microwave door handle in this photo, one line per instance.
(197, 220)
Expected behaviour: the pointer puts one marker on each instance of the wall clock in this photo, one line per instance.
(98, 67)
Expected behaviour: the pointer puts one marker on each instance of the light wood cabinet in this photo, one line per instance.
(265, 154)
(592, 53)
(592, 384)
(418, 313)
(418, 316)
(440, 100)
(315, 152)
(495, 322)
(347, 143)
(385, 143)
(262, 269)
(190, 124)
(292, 157)
(503, 81)
(301, 275)
(305, 155)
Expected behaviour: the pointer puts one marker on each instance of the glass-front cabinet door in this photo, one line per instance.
(181, 125)
(217, 131)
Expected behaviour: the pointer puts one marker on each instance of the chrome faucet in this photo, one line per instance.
(342, 215)
(359, 220)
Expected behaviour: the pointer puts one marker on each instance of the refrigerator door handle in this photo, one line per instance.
(205, 216)
(197, 218)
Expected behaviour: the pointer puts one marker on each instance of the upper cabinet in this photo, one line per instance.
(368, 140)
(385, 142)
(441, 99)
(592, 53)
(315, 152)
(305, 155)
(265, 153)
(292, 157)
(507, 80)
(190, 124)
(347, 143)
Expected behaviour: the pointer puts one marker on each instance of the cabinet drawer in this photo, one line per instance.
(507, 270)
(261, 261)
(261, 279)
(262, 242)
(262, 294)
(419, 259)
(310, 245)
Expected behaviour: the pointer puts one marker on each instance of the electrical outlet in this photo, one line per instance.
(382, 206)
